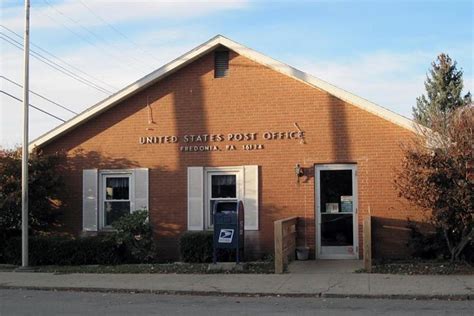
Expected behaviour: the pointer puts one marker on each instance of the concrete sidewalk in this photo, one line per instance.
(326, 285)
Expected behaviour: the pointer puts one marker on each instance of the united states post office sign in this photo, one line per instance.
(219, 142)
(216, 138)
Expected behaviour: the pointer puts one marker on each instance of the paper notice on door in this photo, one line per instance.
(332, 207)
(346, 203)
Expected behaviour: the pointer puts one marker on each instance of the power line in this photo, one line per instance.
(39, 95)
(34, 107)
(85, 39)
(116, 30)
(55, 65)
(100, 38)
(54, 56)
(52, 64)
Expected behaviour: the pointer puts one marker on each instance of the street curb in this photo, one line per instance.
(457, 297)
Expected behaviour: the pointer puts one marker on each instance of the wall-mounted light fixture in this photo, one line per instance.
(299, 170)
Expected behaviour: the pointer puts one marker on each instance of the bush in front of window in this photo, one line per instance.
(135, 236)
(132, 242)
(64, 251)
(196, 247)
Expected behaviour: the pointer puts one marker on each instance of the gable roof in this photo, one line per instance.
(196, 53)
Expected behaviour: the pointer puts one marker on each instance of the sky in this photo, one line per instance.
(379, 50)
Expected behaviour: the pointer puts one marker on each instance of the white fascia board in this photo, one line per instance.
(201, 50)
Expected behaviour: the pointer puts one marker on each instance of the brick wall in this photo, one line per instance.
(252, 98)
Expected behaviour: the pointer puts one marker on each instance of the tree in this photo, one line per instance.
(45, 189)
(443, 86)
(435, 175)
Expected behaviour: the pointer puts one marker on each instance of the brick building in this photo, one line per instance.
(226, 122)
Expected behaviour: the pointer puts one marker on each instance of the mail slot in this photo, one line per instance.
(228, 227)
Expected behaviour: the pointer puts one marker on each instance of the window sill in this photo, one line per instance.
(102, 232)
(107, 230)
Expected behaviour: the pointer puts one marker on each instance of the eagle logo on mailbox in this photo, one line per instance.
(225, 236)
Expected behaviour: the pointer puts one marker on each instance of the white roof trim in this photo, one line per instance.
(201, 50)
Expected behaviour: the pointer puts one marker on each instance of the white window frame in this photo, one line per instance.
(209, 172)
(103, 175)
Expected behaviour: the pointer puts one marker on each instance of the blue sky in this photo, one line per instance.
(379, 50)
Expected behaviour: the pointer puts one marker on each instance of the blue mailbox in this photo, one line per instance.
(228, 227)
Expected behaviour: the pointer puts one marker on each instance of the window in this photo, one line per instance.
(109, 194)
(117, 198)
(221, 185)
(206, 185)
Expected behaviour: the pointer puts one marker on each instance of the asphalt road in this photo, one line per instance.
(27, 302)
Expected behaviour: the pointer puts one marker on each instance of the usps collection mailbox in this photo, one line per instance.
(228, 228)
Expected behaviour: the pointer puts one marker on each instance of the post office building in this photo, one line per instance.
(224, 122)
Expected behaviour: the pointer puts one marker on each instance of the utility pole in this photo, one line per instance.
(24, 155)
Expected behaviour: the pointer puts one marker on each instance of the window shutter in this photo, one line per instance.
(251, 197)
(221, 64)
(140, 200)
(89, 200)
(195, 198)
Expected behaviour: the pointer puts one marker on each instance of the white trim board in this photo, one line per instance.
(201, 50)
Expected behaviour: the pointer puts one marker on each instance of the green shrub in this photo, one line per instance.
(135, 235)
(46, 189)
(426, 245)
(131, 243)
(196, 247)
(4, 236)
(64, 251)
(433, 245)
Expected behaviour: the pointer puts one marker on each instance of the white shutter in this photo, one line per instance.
(195, 198)
(140, 201)
(251, 197)
(89, 199)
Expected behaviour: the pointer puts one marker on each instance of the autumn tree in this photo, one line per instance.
(435, 175)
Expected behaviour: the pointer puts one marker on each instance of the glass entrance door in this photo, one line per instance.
(336, 207)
